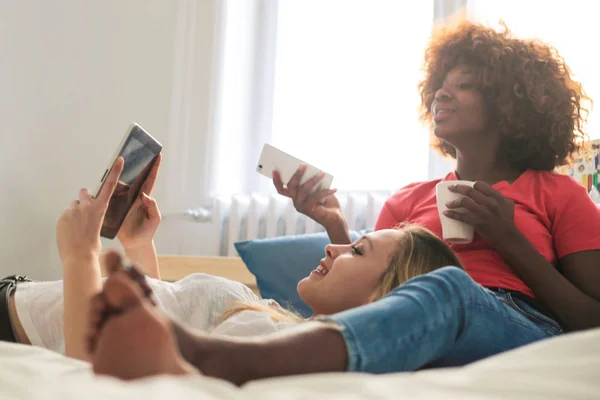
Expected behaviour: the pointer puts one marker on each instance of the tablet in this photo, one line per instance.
(140, 151)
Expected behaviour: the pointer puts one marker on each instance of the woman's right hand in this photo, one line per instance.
(327, 213)
(144, 217)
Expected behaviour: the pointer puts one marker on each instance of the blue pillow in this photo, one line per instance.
(280, 263)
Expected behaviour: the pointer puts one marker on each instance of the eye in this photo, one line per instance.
(356, 251)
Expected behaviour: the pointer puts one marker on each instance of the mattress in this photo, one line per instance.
(565, 367)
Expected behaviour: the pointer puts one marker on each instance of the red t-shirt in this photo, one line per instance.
(554, 212)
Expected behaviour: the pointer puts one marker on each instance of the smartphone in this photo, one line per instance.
(140, 151)
(272, 159)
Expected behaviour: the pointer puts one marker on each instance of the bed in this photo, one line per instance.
(566, 367)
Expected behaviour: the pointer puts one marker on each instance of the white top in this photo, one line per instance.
(198, 300)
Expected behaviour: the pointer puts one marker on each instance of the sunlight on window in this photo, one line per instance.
(570, 26)
(346, 97)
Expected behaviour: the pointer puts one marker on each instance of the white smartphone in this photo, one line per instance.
(140, 151)
(272, 159)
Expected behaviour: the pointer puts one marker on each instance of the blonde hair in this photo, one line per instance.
(418, 252)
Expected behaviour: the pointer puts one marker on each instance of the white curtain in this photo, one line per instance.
(572, 27)
(339, 90)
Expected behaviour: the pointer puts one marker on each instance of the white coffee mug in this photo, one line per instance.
(453, 231)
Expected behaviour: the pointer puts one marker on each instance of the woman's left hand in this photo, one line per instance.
(144, 217)
(485, 209)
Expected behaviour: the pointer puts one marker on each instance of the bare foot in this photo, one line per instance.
(129, 338)
(101, 308)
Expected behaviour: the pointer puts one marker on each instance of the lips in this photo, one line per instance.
(322, 269)
(442, 112)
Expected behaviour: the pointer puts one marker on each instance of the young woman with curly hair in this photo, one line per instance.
(509, 112)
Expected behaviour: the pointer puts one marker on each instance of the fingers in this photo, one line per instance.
(305, 188)
(468, 218)
(151, 207)
(111, 182)
(465, 203)
(473, 193)
(279, 184)
(487, 190)
(292, 185)
(319, 195)
(151, 179)
(84, 196)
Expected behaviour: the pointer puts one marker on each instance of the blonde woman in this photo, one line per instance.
(363, 272)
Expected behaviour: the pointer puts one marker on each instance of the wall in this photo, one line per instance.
(73, 75)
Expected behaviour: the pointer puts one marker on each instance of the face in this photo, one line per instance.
(349, 274)
(458, 109)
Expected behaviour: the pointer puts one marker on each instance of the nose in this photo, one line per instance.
(332, 250)
(443, 94)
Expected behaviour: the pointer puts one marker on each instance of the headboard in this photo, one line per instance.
(173, 268)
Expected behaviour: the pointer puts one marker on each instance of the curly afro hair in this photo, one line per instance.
(538, 109)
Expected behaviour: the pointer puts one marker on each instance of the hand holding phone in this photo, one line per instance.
(274, 160)
(143, 219)
(307, 186)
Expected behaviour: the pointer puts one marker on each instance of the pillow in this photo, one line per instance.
(279, 263)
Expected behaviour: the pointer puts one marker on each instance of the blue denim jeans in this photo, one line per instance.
(441, 319)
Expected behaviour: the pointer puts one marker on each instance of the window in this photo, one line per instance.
(345, 89)
(569, 26)
(332, 82)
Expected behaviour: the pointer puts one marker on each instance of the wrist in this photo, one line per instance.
(139, 247)
(338, 222)
(78, 258)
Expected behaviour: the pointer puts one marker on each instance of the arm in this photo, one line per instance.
(79, 247)
(574, 296)
(81, 280)
(570, 291)
(145, 256)
(338, 231)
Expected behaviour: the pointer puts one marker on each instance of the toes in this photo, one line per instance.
(140, 279)
(99, 311)
(120, 292)
(112, 262)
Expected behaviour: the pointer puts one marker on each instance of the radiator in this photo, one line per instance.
(247, 217)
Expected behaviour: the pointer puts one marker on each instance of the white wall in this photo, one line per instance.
(73, 75)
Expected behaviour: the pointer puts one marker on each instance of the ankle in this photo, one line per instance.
(204, 353)
(230, 359)
(182, 367)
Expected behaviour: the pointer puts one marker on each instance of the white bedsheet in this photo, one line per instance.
(566, 367)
